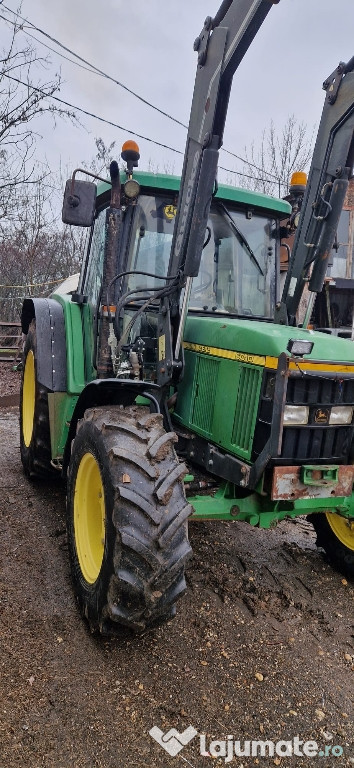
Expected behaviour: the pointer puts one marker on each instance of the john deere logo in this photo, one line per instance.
(170, 211)
(322, 416)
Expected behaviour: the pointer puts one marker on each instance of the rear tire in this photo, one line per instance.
(126, 519)
(335, 535)
(34, 415)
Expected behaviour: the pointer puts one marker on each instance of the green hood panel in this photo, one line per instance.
(225, 362)
(254, 337)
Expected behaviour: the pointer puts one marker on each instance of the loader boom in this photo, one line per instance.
(221, 46)
(331, 166)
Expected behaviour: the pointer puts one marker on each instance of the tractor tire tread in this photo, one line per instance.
(150, 547)
(36, 458)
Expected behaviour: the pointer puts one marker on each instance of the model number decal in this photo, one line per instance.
(228, 354)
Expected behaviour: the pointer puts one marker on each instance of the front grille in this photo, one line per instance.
(308, 443)
(302, 444)
(315, 390)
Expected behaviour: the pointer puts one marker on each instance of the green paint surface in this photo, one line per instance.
(261, 511)
(261, 338)
(75, 360)
(61, 408)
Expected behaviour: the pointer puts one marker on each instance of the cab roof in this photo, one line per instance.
(155, 182)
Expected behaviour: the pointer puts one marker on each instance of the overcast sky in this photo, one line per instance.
(148, 46)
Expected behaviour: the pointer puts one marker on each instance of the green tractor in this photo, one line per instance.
(161, 389)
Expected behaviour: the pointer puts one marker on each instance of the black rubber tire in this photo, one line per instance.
(146, 542)
(339, 555)
(36, 457)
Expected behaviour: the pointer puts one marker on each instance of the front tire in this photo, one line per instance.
(126, 519)
(335, 534)
(34, 415)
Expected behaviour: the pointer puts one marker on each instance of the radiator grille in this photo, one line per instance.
(307, 443)
(245, 415)
(206, 375)
(311, 442)
(318, 390)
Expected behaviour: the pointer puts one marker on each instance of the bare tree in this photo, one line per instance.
(36, 250)
(104, 155)
(270, 165)
(23, 98)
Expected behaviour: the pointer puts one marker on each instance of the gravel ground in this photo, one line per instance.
(261, 647)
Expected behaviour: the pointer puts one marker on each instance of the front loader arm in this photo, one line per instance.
(332, 164)
(221, 46)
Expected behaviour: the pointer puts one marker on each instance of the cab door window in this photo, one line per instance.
(94, 269)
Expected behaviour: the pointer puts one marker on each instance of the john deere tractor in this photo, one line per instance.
(162, 388)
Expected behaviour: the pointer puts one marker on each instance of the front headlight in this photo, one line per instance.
(300, 347)
(295, 415)
(341, 414)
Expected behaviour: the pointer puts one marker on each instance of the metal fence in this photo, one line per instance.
(10, 341)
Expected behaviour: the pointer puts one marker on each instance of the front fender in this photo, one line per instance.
(109, 392)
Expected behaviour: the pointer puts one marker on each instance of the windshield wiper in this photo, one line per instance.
(240, 236)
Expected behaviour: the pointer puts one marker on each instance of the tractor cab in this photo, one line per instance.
(238, 276)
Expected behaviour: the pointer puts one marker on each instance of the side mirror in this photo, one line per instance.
(79, 203)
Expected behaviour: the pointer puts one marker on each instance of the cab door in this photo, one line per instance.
(90, 287)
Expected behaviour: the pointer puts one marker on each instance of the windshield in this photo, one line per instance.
(238, 267)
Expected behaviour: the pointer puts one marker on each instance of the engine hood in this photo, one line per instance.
(253, 337)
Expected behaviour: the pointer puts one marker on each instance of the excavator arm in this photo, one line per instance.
(221, 46)
(331, 167)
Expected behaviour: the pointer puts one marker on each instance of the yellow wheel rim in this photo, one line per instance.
(28, 399)
(343, 529)
(89, 518)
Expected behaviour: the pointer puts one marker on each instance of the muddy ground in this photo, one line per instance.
(261, 647)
